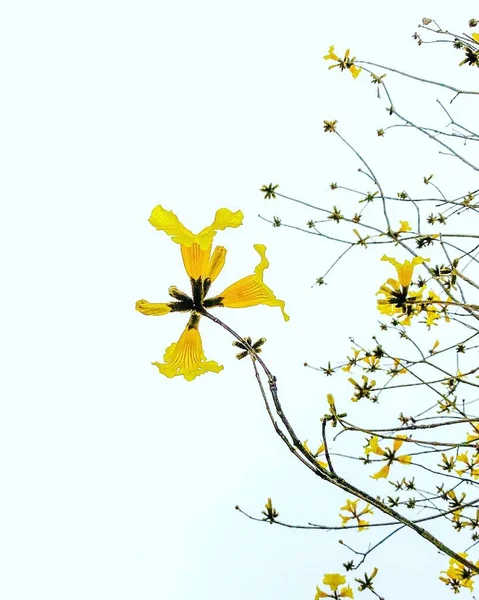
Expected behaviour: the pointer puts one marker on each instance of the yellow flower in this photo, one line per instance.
(315, 455)
(398, 299)
(388, 454)
(405, 269)
(405, 227)
(331, 55)
(472, 465)
(250, 291)
(351, 506)
(186, 357)
(343, 63)
(203, 265)
(352, 361)
(457, 575)
(334, 580)
(475, 37)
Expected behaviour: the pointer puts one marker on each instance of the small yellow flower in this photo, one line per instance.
(351, 506)
(203, 265)
(352, 361)
(334, 580)
(472, 465)
(457, 575)
(398, 299)
(343, 63)
(388, 454)
(315, 455)
(405, 227)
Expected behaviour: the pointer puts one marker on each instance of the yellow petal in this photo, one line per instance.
(155, 309)
(355, 73)
(405, 269)
(195, 259)
(382, 473)
(398, 442)
(186, 357)
(216, 264)
(373, 446)
(475, 37)
(331, 55)
(167, 221)
(334, 580)
(320, 594)
(224, 218)
(346, 592)
(251, 291)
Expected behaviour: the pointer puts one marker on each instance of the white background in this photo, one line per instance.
(116, 481)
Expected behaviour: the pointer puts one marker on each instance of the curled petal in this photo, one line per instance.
(223, 218)
(186, 357)
(167, 221)
(148, 308)
(251, 291)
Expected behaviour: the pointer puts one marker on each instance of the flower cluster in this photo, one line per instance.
(458, 576)
(203, 264)
(351, 507)
(343, 63)
(400, 300)
(388, 454)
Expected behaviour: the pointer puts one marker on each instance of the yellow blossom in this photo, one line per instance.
(472, 465)
(343, 63)
(405, 227)
(352, 361)
(334, 580)
(457, 575)
(315, 455)
(398, 299)
(388, 454)
(405, 269)
(351, 507)
(203, 264)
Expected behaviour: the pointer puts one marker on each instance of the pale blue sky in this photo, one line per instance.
(117, 482)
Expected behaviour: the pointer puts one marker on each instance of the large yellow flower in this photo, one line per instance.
(203, 265)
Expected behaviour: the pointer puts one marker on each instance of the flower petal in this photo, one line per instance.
(224, 218)
(334, 580)
(405, 269)
(216, 263)
(186, 357)
(156, 309)
(382, 473)
(251, 291)
(195, 259)
(167, 221)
